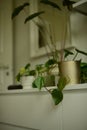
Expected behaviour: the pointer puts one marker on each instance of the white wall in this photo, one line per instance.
(21, 38)
(79, 32)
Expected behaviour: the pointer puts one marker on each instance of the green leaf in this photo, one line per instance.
(67, 53)
(39, 67)
(30, 17)
(50, 62)
(32, 72)
(18, 77)
(83, 72)
(47, 2)
(38, 83)
(83, 64)
(82, 52)
(18, 9)
(27, 66)
(57, 96)
(62, 82)
(83, 68)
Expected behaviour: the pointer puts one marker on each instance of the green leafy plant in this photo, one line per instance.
(75, 52)
(39, 81)
(21, 7)
(83, 72)
(46, 68)
(56, 93)
(25, 71)
(41, 70)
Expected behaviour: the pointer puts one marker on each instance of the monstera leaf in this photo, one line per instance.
(30, 17)
(50, 3)
(18, 9)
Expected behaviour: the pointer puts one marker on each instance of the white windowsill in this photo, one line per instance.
(33, 90)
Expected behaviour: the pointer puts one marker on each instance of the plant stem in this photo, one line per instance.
(47, 89)
(64, 38)
(66, 32)
(75, 55)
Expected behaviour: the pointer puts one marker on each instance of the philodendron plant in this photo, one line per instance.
(83, 65)
(83, 72)
(25, 71)
(39, 82)
(40, 70)
(57, 93)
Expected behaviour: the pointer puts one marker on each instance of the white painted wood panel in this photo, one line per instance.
(6, 44)
(36, 110)
(75, 110)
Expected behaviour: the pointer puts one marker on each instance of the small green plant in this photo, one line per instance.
(41, 70)
(74, 53)
(56, 93)
(39, 81)
(83, 72)
(25, 71)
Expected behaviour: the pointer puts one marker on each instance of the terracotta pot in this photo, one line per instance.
(71, 70)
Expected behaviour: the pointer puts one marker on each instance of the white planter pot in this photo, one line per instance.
(26, 81)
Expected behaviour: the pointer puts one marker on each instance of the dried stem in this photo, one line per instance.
(75, 55)
(65, 32)
(47, 35)
(64, 38)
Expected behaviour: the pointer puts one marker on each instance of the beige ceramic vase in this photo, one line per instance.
(70, 70)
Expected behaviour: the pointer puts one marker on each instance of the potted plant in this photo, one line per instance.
(26, 76)
(39, 81)
(66, 75)
(45, 71)
(71, 68)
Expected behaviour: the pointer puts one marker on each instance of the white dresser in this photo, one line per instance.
(34, 110)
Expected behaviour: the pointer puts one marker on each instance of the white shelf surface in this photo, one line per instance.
(33, 90)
